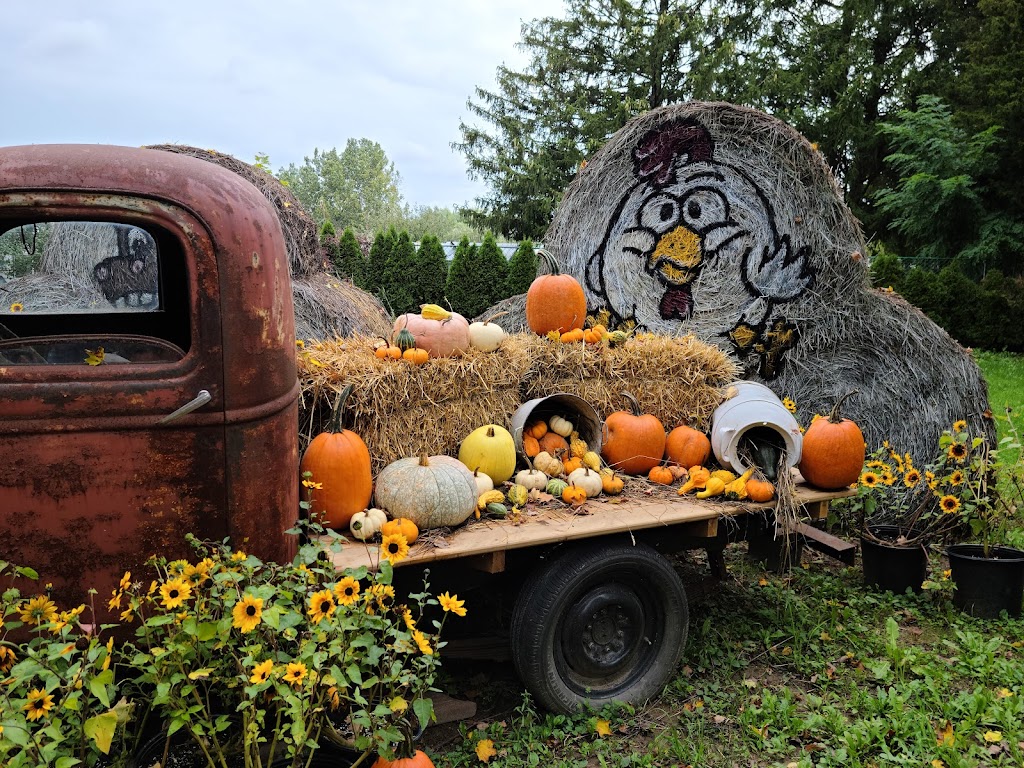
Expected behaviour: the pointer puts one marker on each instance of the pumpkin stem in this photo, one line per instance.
(423, 460)
(494, 317)
(834, 416)
(339, 404)
(490, 431)
(550, 261)
(634, 403)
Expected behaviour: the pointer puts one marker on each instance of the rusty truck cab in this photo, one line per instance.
(148, 385)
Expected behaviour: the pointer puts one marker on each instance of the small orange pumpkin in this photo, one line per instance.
(591, 336)
(416, 356)
(612, 483)
(687, 447)
(571, 337)
(537, 429)
(402, 525)
(833, 450)
(530, 445)
(634, 441)
(418, 759)
(387, 351)
(572, 464)
(661, 475)
(600, 330)
(760, 490)
(553, 443)
(554, 302)
(574, 495)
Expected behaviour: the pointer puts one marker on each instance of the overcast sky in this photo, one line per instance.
(280, 77)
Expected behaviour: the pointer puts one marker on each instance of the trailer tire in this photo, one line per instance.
(599, 624)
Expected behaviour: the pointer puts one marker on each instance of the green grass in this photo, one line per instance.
(809, 669)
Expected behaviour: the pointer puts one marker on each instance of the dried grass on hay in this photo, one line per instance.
(327, 307)
(914, 379)
(402, 410)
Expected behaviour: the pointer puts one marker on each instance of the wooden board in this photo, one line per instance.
(487, 541)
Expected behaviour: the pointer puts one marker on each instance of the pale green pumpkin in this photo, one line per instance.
(491, 450)
(433, 492)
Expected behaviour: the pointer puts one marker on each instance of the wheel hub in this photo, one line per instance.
(601, 631)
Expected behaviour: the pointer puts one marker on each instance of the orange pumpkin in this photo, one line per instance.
(571, 337)
(416, 356)
(402, 525)
(441, 338)
(591, 336)
(612, 483)
(760, 490)
(661, 475)
(387, 351)
(554, 302)
(833, 451)
(537, 429)
(574, 495)
(687, 447)
(634, 442)
(340, 461)
(553, 443)
(530, 445)
(419, 759)
(571, 465)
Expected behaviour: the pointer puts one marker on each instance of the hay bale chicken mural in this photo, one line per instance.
(724, 222)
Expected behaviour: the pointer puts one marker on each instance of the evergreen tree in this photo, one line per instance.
(522, 269)
(350, 261)
(493, 270)
(431, 271)
(466, 292)
(379, 254)
(399, 281)
(329, 242)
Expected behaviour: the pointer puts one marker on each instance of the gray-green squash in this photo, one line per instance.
(433, 492)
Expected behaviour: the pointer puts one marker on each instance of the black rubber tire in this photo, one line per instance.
(599, 623)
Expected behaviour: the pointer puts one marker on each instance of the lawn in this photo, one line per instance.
(805, 669)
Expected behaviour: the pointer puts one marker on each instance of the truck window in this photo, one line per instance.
(68, 288)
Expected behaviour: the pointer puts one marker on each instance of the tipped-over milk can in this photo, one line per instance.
(753, 412)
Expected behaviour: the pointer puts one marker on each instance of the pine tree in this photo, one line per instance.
(329, 242)
(493, 270)
(379, 254)
(431, 271)
(466, 291)
(399, 281)
(350, 261)
(522, 269)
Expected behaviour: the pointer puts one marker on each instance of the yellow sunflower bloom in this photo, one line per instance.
(312, 485)
(261, 672)
(175, 592)
(949, 504)
(960, 426)
(887, 477)
(237, 557)
(126, 581)
(957, 451)
(346, 591)
(452, 604)
(957, 478)
(870, 479)
(394, 548)
(38, 705)
(39, 610)
(422, 642)
(789, 405)
(321, 605)
(410, 622)
(247, 613)
(177, 567)
(115, 600)
(912, 478)
(7, 658)
(17, 307)
(295, 674)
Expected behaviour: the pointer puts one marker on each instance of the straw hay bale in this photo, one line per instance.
(401, 410)
(305, 255)
(42, 292)
(772, 270)
(327, 307)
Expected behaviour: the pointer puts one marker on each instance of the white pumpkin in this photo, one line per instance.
(587, 479)
(367, 524)
(532, 478)
(560, 426)
(486, 336)
(548, 464)
(483, 482)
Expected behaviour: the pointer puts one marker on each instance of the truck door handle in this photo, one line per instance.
(196, 402)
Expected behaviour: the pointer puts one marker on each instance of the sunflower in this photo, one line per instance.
(334, 697)
(261, 672)
(960, 426)
(912, 478)
(870, 479)
(422, 642)
(17, 307)
(346, 591)
(175, 592)
(789, 405)
(410, 622)
(876, 464)
(949, 504)
(957, 478)
(247, 613)
(452, 604)
(394, 548)
(115, 600)
(957, 451)
(38, 704)
(321, 605)
(7, 658)
(177, 567)
(382, 594)
(39, 610)
(237, 557)
(296, 674)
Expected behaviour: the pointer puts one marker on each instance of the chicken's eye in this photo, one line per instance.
(659, 213)
(703, 208)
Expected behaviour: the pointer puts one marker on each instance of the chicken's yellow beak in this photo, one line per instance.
(676, 255)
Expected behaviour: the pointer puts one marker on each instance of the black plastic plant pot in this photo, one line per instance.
(892, 566)
(986, 586)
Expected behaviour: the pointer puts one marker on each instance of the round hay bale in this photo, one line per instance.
(44, 292)
(327, 307)
(305, 255)
(724, 222)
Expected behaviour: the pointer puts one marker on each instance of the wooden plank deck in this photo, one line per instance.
(487, 541)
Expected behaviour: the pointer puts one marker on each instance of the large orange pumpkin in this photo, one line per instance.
(634, 442)
(554, 302)
(833, 451)
(340, 461)
(418, 760)
(687, 447)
